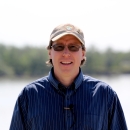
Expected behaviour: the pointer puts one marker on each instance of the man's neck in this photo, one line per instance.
(65, 78)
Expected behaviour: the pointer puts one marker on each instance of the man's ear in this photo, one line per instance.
(49, 53)
(83, 54)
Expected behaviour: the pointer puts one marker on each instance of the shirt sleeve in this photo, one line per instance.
(116, 115)
(18, 121)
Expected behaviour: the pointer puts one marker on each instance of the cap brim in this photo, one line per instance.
(65, 33)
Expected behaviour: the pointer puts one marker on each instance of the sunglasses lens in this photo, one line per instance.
(73, 47)
(58, 47)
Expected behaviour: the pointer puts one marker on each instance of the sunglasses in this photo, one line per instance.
(60, 47)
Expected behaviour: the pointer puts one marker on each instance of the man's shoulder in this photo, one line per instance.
(37, 84)
(95, 83)
(90, 79)
(98, 87)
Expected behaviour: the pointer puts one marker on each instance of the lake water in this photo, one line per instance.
(9, 90)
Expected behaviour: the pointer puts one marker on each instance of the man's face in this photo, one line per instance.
(66, 62)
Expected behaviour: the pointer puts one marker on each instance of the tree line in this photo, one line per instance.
(30, 61)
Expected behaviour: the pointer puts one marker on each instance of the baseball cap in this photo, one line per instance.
(65, 29)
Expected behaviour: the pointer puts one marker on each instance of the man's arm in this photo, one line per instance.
(18, 119)
(116, 115)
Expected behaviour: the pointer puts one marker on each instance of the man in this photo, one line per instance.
(66, 99)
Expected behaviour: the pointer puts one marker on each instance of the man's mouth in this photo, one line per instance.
(66, 63)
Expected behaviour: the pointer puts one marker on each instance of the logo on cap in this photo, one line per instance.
(69, 28)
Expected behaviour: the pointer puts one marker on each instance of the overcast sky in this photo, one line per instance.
(105, 23)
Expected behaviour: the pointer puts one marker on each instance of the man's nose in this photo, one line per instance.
(66, 51)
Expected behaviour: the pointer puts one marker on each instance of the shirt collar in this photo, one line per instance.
(78, 80)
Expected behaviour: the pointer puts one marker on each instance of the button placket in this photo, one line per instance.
(67, 110)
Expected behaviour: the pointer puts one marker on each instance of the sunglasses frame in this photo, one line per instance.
(68, 46)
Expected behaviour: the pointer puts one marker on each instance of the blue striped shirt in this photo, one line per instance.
(88, 104)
